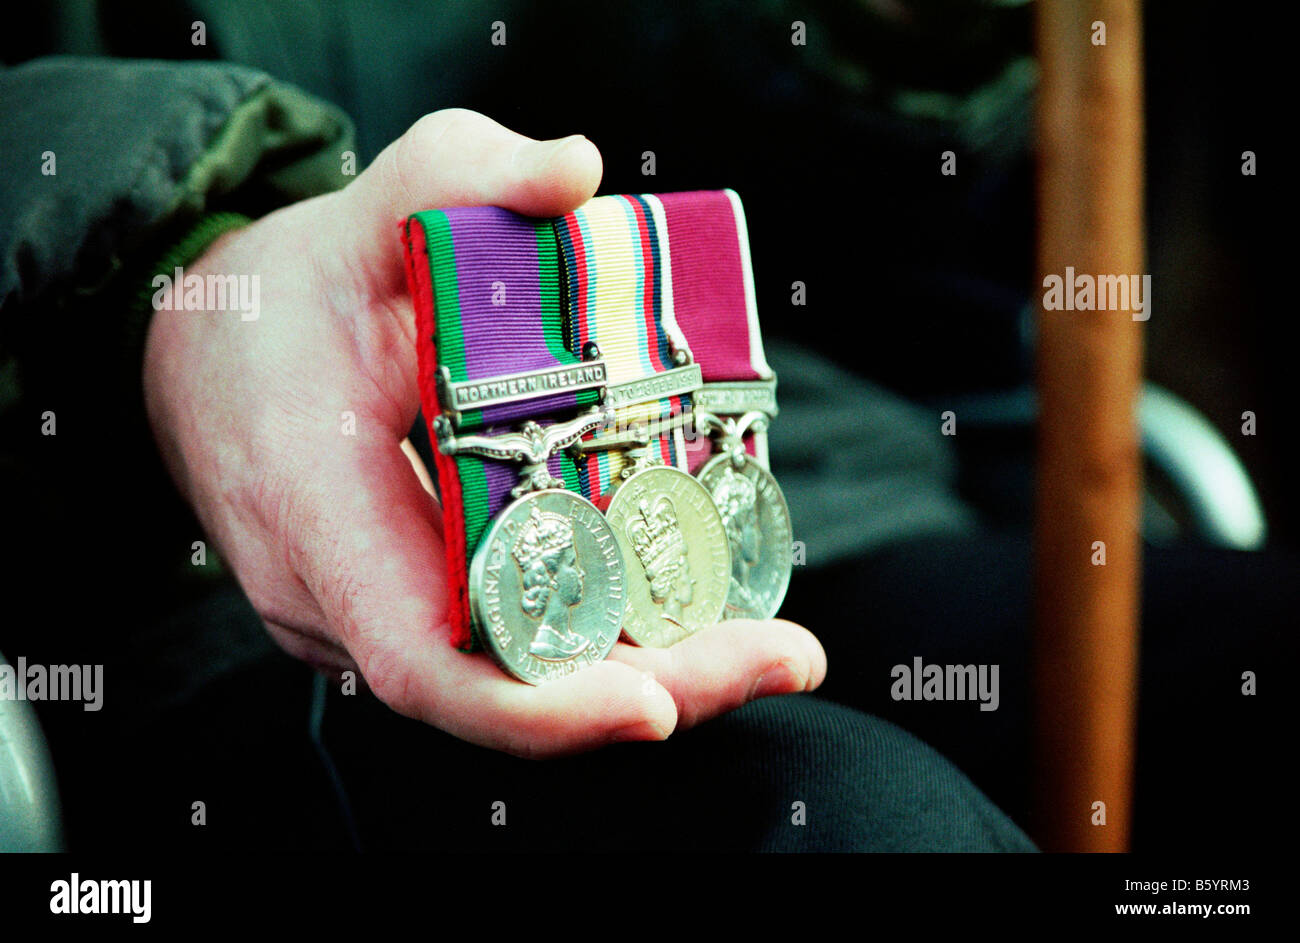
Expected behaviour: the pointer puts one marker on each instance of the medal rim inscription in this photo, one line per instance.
(732, 611)
(637, 626)
(518, 668)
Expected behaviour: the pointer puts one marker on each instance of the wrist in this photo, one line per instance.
(186, 250)
(159, 310)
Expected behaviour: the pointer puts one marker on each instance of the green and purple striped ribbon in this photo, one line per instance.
(496, 295)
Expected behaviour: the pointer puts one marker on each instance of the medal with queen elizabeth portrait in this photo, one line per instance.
(547, 581)
(735, 405)
(619, 296)
(536, 575)
(675, 549)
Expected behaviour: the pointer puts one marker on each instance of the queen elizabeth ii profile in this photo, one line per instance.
(552, 584)
(736, 498)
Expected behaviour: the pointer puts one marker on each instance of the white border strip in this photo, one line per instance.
(757, 359)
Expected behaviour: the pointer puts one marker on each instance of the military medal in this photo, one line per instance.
(561, 364)
(618, 294)
(714, 307)
(535, 570)
(677, 557)
(546, 584)
(757, 523)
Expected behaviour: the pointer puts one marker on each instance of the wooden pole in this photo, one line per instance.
(1088, 553)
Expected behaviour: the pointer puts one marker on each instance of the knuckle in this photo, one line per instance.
(270, 499)
(344, 594)
(389, 680)
(429, 128)
(422, 140)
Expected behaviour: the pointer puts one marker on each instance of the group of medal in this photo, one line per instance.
(597, 391)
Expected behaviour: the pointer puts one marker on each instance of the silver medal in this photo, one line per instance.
(675, 550)
(755, 517)
(757, 523)
(547, 585)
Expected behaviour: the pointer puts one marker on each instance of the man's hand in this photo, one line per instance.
(332, 536)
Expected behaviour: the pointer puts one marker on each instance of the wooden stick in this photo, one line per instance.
(1090, 196)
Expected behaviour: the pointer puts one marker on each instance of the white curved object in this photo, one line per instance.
(29, 797)
(1203, 466)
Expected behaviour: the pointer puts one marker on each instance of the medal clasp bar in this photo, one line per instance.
(676, 381)
(457, 396)
(682, 380)
(738, 397)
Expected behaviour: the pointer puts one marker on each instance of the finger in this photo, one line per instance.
(370, 552)
(469, 696)
(729, 664)
(461, 158)
(418, 466)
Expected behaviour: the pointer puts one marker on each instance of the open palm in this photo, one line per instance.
(285, 433)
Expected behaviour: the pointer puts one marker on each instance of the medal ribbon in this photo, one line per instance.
(713, 290)
(618, 296)
(486, 285)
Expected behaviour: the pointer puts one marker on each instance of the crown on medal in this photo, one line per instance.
(542, 533)
(734, 494)
(655, 534)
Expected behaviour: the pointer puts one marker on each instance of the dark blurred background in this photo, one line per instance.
(917, 283)
(835, 148)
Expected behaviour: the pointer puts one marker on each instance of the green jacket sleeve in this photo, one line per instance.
(106, 163)
(98, 154)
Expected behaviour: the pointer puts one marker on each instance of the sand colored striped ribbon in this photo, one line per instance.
(618, 295)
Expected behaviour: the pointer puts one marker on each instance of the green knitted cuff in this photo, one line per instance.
(139, 282)
(192, 245)
(134, 289)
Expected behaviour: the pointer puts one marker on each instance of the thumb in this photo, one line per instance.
(461, 158)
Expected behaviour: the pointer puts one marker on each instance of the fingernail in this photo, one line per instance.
(779, 679)
(558, 143)
(542, 153)
(642, 730)
(815, 654)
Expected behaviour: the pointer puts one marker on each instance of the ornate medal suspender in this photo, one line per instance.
(615, 296)
(545, 590)
(714, 306)
(620, 300)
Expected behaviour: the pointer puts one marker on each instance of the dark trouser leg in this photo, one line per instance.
(731, 784)
(1209, 771)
